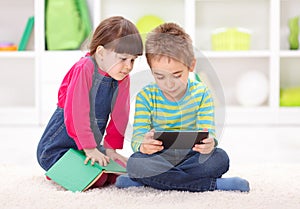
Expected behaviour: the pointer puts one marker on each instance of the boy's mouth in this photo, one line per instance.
(172, 91)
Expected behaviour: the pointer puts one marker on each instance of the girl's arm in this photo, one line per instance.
(77, 104)
(115, 130)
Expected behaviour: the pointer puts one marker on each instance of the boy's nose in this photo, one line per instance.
(170, 83)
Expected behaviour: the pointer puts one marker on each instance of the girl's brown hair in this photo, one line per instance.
(170, 40)
(118, 34)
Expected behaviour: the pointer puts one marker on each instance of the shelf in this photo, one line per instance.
(236, 54)
(136, 9)
(289, 115)
(288, 9)
(17, 54)
(14, 15)
(290, 53)
(29, 80)
(289, 71)
(218, 14)
(253, 115)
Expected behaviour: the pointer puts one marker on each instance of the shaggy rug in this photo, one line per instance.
(272, 187)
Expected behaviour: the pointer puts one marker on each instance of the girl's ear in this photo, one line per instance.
(193, 64)
(100, 51)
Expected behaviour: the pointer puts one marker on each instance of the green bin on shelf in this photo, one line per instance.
(231, 39)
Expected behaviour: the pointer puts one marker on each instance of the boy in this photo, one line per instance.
(175, 103)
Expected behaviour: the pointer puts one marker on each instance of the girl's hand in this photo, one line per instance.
(95, 156)
(150, 145)
(207, 147)
(112, 154)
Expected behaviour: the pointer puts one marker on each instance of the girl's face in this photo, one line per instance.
(171, 77)
(118, 66)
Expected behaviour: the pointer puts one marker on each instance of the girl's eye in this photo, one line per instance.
(159, 77)
(177, 76)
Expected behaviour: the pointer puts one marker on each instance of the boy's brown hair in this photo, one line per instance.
(170, 40)
(118, 34)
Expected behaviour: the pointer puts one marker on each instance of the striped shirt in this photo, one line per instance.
(193, 112)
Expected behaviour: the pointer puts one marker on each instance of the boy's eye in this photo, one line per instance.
(159, 77)
(177, 76)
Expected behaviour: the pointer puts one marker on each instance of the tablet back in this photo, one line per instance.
(180, 139)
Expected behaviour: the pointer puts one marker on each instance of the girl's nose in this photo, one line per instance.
(129, 64)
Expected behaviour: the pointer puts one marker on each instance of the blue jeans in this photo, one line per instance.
(183, 170)
(55, 141)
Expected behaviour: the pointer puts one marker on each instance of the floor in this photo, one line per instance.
(244, 144)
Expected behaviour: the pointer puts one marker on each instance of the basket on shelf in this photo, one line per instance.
(231, 39)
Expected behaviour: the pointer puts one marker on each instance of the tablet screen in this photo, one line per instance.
(180, 139)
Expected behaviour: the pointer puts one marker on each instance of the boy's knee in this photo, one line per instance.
(134, 162)
(222, 155)
(222, 158)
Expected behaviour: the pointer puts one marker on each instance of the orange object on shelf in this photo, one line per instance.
(9, 48)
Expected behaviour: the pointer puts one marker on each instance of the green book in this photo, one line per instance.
(26, 34)
(71, 173)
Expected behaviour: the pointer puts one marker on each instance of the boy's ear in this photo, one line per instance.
(192, 67)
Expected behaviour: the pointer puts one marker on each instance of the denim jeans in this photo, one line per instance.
(183, 170)
(55, 141)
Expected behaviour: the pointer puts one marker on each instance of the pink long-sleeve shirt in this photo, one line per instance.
(73, 97)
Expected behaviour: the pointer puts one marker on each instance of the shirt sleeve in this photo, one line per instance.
(205, 117)
(142, 120)
(116, 127)
(77, 105)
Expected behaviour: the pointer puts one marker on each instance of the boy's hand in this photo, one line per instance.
(207, 147)
(150, 145)
(95, 156)
(112, 154)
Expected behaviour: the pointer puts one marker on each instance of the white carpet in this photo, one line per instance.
(272, 187)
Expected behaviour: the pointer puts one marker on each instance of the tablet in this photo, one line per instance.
(180, 139)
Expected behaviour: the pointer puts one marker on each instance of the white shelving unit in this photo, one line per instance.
(29, 80)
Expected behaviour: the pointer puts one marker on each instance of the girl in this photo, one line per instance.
(95, 89)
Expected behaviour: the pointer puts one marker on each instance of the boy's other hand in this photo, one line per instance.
(95, 156)
(207, 147)
(150, 145)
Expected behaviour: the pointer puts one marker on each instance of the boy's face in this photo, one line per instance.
(171, 76)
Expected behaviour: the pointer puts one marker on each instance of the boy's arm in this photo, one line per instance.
(142, 120)
(205, 117)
